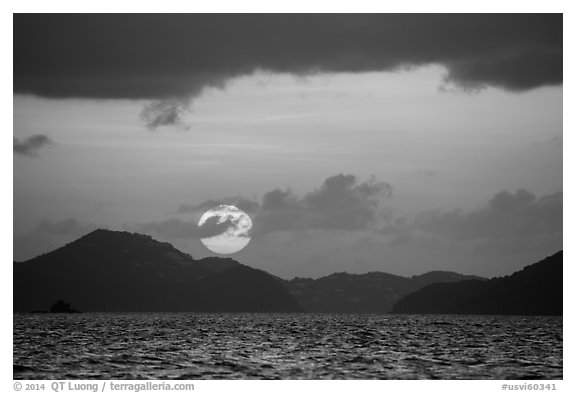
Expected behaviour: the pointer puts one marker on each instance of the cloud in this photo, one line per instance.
(30, 146)
(340, 203)
(247, 205)
(506, 215)
(508, 225)
(158, 57)
(167, 112)
(176, 228)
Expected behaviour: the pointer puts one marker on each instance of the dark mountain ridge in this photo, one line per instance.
(534, 290)
(373, 292)
(121, 271)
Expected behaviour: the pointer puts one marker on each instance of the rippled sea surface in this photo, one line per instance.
(285, 346)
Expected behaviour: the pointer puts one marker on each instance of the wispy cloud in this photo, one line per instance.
(31, 145)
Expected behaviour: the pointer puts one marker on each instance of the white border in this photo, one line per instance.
(246, 6)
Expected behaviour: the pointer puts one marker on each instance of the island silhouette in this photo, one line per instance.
(535, 290)
(62, 307)
(112, 271)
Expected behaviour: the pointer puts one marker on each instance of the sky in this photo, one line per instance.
(357, 143)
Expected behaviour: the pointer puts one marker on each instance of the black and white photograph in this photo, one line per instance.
(287, 196)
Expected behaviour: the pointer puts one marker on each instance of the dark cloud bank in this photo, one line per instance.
(506, 214)
(31, 145)
(342, 202)
(166, 56)
(508, 222)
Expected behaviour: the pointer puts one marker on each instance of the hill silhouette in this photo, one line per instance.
(373, 292)
(120, 271)
(535, 290)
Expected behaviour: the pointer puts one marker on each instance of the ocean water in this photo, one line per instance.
(285, 346)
